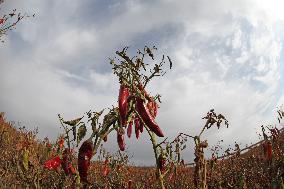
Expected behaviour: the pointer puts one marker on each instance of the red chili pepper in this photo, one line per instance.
(129, 129)
(84, 158)
(148, 118)
(152, 107)
(137, 127)
(149, 106)
(123, 104)
(120, 141)
(141, 126)
(53, 163)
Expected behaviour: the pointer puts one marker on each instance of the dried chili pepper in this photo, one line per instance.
(148, 118)
(152, 107)
(123, 104)
(129, 129)
(53, 163)
(120, 141)
(137, 127)
(84, 158)
(141, 127)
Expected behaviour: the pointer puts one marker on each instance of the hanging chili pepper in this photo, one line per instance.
(139, 124)
(53, 163)
(141, 127)
(120, 141)
(152, 107)
(84, 158)
(129, 129)
(148, 118)
(123, 104)
(137, 127)
(155, 107)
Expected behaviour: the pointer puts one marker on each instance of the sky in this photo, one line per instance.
(227, 55)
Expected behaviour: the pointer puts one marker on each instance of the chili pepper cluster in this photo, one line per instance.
(132, 110)
(84, 156)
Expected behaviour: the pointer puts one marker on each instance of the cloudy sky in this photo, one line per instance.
(227, 55)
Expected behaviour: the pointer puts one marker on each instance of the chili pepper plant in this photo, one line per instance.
(136, 106)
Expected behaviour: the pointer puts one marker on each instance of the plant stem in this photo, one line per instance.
(155, 147)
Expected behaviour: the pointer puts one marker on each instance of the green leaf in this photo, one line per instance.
(73, 122)
(26, 160)
(81, 133)
(94, 120)
(110, 118)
